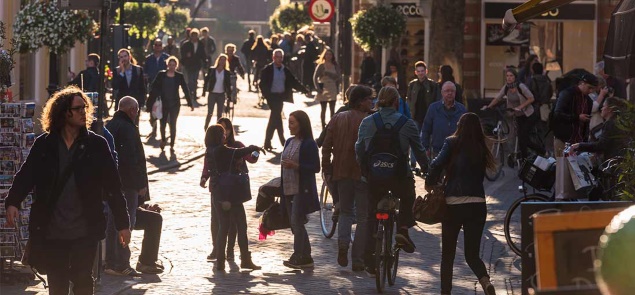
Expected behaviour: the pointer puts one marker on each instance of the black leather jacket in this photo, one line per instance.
(95, 174)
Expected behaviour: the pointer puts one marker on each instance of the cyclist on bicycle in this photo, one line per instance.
(519, 98)
(235, 65)
(402, 185)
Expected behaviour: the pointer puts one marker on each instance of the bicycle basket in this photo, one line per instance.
(536, 177)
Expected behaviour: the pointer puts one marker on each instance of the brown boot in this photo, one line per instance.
(488, 288)
(245, 262)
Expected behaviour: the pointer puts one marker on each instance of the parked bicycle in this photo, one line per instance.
(542, 183)
(386, 253)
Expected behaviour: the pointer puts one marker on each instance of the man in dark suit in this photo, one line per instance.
(129, 79)
(193, 58)
(277, 84)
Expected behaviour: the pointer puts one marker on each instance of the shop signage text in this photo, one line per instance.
(408, 9)
(566, 12)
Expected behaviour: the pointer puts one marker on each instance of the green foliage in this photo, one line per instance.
(44, 24)
(289, 18)
(7, 62)
(145, 19)
(175, 21)
(626, 178)
(378, 26)
(228, 26)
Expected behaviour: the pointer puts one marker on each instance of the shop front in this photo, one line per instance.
(564, 38)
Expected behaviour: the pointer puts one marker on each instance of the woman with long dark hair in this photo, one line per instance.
(166, 86)
(446, 73)
(325, 80)
(520, 98)
(300, 162)
(261, 54)
(218, 159)
(464, 158)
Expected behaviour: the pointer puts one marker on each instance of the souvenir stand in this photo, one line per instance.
(16, 139)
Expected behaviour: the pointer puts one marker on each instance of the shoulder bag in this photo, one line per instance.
(230, 187)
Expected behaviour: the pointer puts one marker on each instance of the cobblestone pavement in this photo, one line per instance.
(186, 239)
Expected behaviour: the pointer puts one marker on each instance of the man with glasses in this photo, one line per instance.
(70, 172)
(154, 63)
(134, 179)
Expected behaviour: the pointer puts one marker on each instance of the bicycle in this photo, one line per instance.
(498, 139)
(542, 181)
(328, 220)
(386, 254)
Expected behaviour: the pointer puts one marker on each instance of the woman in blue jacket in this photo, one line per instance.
(464, 157)
(300, 162)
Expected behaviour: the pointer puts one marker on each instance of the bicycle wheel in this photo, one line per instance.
(394, 261)
(512, 220)
(497, 152)
(327, 221)
(381, 256)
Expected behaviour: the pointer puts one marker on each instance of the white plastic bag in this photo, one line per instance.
(580, 170)
(564, 185)
(157, 109)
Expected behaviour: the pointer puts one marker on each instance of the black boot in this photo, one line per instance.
(220, 262)
(245, 262)
(230, 254)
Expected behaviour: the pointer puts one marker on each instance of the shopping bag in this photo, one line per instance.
(580, 171)
(564, 184)
(157, 109)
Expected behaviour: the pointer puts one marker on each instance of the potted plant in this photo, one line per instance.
(6, 60)
(378, 26)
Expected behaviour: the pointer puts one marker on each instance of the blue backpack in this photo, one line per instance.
(385, 160)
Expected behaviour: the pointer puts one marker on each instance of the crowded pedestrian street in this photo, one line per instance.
(185, 240)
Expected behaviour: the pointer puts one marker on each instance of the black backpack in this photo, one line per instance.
(385, 160)
(541, 89)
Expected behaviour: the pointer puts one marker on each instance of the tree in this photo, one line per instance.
(446, 35)
(145, 19)
(175, 20)
(289, 18)
(378, 26)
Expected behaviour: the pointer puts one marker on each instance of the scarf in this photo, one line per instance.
(512, 85)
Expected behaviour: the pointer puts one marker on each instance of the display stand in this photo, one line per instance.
(16, 139)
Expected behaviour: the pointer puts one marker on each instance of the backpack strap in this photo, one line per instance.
(402, 121)
(519, 91)
(379, 123)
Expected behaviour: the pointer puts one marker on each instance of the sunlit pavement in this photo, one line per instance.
(185, 242)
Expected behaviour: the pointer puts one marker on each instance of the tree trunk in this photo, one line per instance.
(446, 35)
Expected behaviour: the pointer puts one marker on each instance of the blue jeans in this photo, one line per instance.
(218, 100)
(191, 77)
(301, 243)
(353, 195)
(117, 257)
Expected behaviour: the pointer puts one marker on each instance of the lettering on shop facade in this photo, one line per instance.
(566, 12)
(410, 10)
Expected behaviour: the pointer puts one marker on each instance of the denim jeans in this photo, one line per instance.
(151, 223)
(353, 197)
(191, 77)
(117, 257)
(218, 100)
(301, 243)
(235, 216)
(471, 217)
(70, 260)
(215, 227)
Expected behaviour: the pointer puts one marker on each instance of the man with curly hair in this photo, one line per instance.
(70, 171)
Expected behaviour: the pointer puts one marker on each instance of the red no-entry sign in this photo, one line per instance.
(321, 11)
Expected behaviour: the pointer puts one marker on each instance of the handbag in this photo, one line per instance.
(432, 207)
(580, 171)
(275, 217)
(157, 109)
(230, 187)
(267, 194)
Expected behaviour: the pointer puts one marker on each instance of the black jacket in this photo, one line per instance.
(193, 60)
(612, 142)
(210, 82)
(95, 174)
(466, 174)
(565, 117)
(156, 90)
(136, 89)
(91, 80)
(132, 158)
(290, 83)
